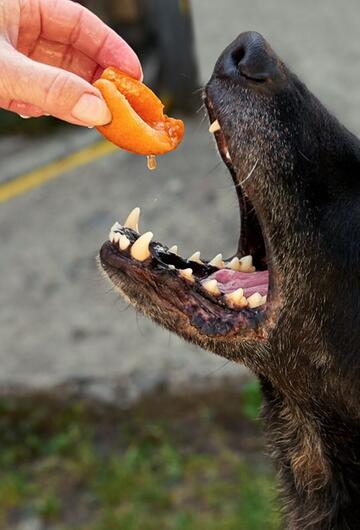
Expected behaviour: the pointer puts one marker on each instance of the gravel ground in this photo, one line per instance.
(60, 325)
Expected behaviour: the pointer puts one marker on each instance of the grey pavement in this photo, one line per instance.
(61, 326)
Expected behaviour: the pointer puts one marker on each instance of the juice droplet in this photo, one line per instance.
(151, 162)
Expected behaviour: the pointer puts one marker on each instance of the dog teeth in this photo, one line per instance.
(196, 257)
(187, 274)
(174, 249)
(133, 220)
(217, 262)
(236, 298)
(115, 227)
(212, 287)
(140, 249)
(246, 264)
(124, 242)
(115, 236)
(214, 127)
(234, 264)
(255, 300)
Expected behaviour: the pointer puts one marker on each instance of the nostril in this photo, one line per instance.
(249, 57)
(238, 55)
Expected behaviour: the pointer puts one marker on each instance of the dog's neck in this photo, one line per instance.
(317, 453)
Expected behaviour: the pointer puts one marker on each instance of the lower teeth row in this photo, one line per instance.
(140, 250)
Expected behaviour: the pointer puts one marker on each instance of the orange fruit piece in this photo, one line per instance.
(138, 124)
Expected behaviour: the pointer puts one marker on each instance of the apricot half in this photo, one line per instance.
(138, 124)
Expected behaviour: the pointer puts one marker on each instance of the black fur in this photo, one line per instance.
(306, 190)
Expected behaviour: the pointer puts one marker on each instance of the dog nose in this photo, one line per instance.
(250, 57)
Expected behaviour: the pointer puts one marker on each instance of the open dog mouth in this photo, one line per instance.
(217, 297)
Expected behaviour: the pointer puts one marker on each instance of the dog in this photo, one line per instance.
(287, 304)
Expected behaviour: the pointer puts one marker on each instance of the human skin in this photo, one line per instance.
(51, 51)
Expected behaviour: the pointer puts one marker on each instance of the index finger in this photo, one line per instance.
(73, 24)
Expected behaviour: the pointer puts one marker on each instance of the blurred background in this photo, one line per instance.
(106, 421)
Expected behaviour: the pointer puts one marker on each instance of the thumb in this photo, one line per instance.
(57, 92)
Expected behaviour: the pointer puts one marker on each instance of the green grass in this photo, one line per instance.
(186, 463)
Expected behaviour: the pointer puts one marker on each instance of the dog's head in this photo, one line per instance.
(296, 173)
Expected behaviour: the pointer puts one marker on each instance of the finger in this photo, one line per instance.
(66, 57)
(55, 91)
(25, 110)
(70, 23)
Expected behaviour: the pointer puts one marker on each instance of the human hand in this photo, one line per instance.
(51, 51)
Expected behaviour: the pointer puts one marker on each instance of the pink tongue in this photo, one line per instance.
(251, 282)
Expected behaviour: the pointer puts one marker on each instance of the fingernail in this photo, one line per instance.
(91, 110)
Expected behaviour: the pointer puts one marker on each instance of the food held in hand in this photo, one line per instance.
(138, 124)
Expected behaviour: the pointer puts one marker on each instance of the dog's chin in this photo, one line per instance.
(220, 304)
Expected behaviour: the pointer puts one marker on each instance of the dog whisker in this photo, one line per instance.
(218, 368)
(249, 175)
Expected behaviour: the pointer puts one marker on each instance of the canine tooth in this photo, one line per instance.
(246, 264)
(196, 257)
(133, 220)
(255, 300)
(187, 274)
(217, 262)
(124, 242)
(174, 249)
(171, 267)
(236, 298)
(215, 126)
(140, 249)
(234, 264)
(212, 287)
(115, 237)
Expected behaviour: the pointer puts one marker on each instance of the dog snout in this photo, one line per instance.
(248, 58)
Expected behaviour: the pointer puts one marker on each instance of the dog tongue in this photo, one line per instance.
(252, 282)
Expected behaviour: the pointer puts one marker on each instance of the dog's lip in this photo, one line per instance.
(210, 314)
(207, 293)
